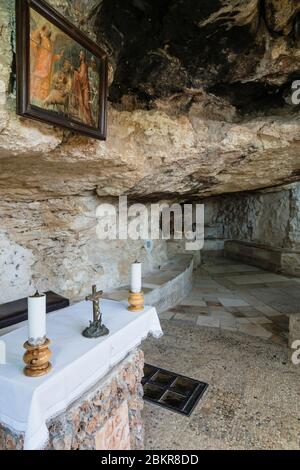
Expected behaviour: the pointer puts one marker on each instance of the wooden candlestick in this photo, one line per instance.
(136, 301)
(36, 359)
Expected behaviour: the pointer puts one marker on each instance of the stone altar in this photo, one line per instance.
(92, 399)
(108, 416)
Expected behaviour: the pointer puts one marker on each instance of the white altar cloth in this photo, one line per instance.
(78, 363)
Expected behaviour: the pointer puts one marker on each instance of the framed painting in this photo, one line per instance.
(61, 73)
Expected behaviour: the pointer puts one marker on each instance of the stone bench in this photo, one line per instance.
(266, 257)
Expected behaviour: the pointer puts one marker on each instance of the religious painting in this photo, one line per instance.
(61, 73)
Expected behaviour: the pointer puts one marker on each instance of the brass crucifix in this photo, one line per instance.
(95, 297)
(96, 328)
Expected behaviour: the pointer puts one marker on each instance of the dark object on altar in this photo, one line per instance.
(61, 73)
(96, 328)
(15, 312)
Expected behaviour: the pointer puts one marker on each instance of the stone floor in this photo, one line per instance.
(238, 297)
(253, 398)
(227, 335)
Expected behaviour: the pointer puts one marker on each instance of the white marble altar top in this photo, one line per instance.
(78, 363)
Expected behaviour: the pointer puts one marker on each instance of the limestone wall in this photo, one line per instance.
(53, 244)
(49, 240)
(189, 144)
(270, 217)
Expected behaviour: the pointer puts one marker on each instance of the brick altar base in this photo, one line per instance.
(108, 416)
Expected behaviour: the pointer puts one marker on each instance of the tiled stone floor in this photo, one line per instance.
(240, 298)
(230, 332)
(253, 398)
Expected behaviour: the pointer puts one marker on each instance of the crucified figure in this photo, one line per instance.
(96, 328)
(95, 297)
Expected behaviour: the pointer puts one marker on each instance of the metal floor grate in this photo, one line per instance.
(172, 391)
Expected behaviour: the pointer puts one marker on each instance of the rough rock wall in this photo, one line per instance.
(270, 218)
(198, 138)
(244, 50)
(48, 239)
(53, 244)
(198, 107)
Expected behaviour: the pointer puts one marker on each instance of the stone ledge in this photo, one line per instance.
(279, 260)
(164, 288)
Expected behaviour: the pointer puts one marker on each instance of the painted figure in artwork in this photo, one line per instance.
(64, 76)
(94, 82)
(42, 60)
(60, 96)
(82, 90)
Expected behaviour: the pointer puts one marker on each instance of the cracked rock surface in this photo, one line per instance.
(199, 103)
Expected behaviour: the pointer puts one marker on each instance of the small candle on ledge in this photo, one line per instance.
(136, 277)
(37, 319)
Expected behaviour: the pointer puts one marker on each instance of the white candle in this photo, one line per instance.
(2, 353)
(37, 319)
(136, 277)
